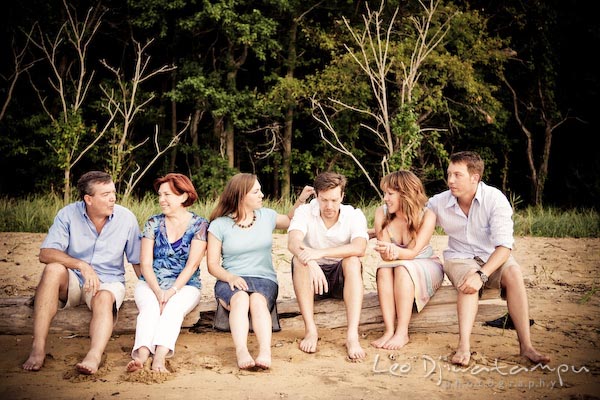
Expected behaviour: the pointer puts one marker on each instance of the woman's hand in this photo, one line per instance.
(388, 251)
(237, 282)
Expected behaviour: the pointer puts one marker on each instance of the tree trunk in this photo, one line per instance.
(16, 314)
(288, 130)
(194, 136)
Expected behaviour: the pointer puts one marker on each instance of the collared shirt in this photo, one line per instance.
(75, 234)
(488, 225)
(351, 224)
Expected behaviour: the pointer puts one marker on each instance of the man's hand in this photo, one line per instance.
(471, 283)
(317, 277)
(308, 254)
(91, 283)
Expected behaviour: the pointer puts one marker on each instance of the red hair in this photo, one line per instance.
(179, 184)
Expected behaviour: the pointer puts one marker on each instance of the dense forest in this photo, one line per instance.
(288, 88)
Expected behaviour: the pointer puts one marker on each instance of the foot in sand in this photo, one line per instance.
(244, 359)
(135, 365)
(378, 343)
(263, 360)
(35, 360)
(462, 357)
(309, 343)
(89, 365)
(396, 342)
(158, 365)
(355, 351)
(534, 356)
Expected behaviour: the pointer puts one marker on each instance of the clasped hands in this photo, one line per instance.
(387, 250)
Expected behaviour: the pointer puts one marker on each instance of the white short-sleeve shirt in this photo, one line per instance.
(350, 225)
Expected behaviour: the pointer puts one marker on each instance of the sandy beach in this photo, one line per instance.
(562, 278)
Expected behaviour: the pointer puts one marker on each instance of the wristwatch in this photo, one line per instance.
(483, 276)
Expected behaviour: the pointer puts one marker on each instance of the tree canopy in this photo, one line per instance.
(287, 89)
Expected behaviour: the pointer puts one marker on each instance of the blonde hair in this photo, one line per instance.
(412, 198)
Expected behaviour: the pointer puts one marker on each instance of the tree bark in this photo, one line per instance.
(16, 314)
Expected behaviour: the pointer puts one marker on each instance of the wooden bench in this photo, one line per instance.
(16, 314)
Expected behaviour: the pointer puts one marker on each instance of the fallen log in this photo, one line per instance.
(16, 314)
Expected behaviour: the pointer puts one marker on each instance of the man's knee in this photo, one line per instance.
(103, 301)
(511, 276)
(352, 266)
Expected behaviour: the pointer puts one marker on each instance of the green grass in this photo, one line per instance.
(36, 213)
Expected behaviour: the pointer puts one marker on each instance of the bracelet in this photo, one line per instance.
(175, 289)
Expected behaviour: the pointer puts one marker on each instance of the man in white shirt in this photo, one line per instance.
(327, 239)
(477, 219)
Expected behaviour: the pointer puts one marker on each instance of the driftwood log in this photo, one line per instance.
(16, 314)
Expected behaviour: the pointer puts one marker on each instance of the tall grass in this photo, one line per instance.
(36, 213)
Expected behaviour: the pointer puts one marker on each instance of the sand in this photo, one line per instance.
(562, 278)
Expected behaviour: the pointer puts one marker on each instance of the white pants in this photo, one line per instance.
(156, 329)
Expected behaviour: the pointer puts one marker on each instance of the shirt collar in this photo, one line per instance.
(453, 201)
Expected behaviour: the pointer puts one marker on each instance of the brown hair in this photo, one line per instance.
(89, 179)
(231, 199)
(473, 161)
(179, 184)
(329, 180)
(412, 198)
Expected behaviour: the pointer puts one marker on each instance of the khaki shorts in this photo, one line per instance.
(457, 268)
(77, 296)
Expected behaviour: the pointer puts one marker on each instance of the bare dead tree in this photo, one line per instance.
(374, 60)
(138, 173)
(539, 173)
(20, 66)
(70, 83)
(128, 101)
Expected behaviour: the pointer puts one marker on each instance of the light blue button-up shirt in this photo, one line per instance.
(74, 233)
(488, 225)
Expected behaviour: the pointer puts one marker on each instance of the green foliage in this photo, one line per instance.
(551, 222)
(36, 213)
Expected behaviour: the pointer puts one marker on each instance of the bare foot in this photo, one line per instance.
(244, 359)
(158, 365)
(35, 361)
(396, 342)
(309, 343)
(89, 365)
(382, 340)
(355, 351)
(134, 365)
(263, 361)
(462, 357)
(534, 356)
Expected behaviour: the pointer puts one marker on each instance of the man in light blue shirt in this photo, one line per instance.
(477, 219)
(84, 256)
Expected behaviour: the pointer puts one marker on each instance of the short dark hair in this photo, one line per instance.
(329, 180)
(87, 181)
(179, 184)
(473, 161)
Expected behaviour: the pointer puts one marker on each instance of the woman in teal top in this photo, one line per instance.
(240, 240)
